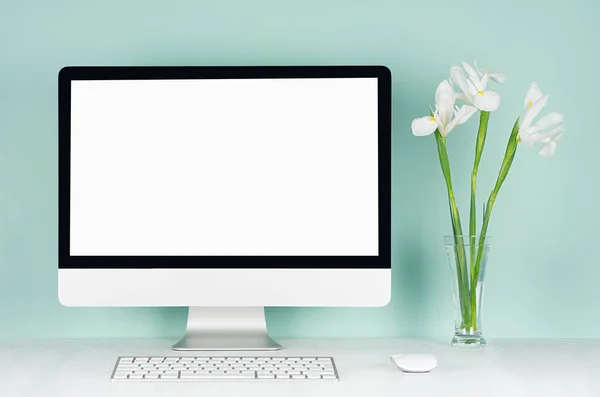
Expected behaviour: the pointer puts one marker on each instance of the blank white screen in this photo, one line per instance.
(224, 167)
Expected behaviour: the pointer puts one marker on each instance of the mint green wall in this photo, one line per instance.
(544, 275)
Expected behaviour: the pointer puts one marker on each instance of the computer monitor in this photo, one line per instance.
(224, 189)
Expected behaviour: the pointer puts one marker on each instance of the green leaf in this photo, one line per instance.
(509, 155)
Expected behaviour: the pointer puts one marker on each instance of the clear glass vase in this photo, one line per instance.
(468, 256)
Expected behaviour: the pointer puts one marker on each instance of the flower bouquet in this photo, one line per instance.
(467, 253)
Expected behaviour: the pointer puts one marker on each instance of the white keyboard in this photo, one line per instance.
(213, 368)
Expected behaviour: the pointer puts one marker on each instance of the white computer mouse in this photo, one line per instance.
(417, 363)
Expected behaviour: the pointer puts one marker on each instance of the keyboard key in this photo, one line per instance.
(123, 360)
(136, 376)
(189, 375)
(141, 360)
(232, 376)
(298, 376)
(329, 377)
(129, 365)
(121, 375)
(217, 376)
(170, 375)
(265, 376)
(282, 376)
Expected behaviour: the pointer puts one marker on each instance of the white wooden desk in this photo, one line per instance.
(82, 367)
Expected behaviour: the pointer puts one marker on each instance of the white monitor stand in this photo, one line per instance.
(226, 328)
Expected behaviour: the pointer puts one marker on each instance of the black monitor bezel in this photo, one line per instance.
(70, 73)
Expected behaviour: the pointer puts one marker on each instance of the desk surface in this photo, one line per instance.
(546, 368)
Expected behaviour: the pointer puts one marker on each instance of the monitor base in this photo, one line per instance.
(226, 329)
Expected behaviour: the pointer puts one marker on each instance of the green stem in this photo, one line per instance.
(481, 135)
(509, 155)
(461, 268)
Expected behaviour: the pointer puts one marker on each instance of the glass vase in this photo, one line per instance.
(468, 256)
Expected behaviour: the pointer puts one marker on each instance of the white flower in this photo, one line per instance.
(474, 87)
(547, 130)
(446, 115)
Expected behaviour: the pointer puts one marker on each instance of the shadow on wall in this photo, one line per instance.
(412, 290)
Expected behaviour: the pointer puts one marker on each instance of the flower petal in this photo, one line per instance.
(462, 97)
(533, 95)
(486, 100)
(529, 136)
(478, 84)
(442, 91)
(444, 102)
(485, 74)
(532, 111)
(473, 89)
(461, 115)
(549, 121)
(484, 80)
(458, 77)
(548, 139)
(497, 77)
(469, 69)
(464, 113)
(556, 132)
(548, 149)
(424, 126)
